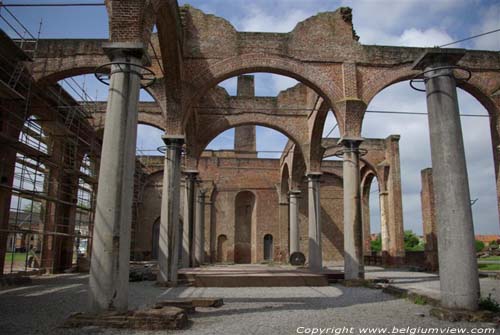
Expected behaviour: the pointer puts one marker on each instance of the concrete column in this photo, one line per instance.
(199, 230)
(187, 254)
(384, 222)
(396, 229)
(429, 220)
(365, 210)
(168, 255)
(315, 252)
(109, 270)
(353, 225)
(283, 236)
(293, 204)
(457, 257)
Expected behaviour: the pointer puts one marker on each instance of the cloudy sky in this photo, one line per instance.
(403, 22)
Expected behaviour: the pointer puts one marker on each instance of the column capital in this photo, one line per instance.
(202, 192)
(191, 174)
(394, 138)
(173, 140)
(294, 193)
(434, 57)
(315, 176)
(126, 49)
(350, 142)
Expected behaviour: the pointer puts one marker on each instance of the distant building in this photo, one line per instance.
(487, 239)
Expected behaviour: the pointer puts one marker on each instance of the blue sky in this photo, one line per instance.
(404, 22)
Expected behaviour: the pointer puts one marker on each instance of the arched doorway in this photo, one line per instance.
(222, 248)
(244, 217)
(268, 247)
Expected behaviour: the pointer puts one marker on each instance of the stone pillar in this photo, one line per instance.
(365, 210)
(457, 256)
(51, 250)
(395, 199)
(187, 254)
(384, 222)
(199, 230)
(353, 226)
(109, 270)
(314, 212)
(293, 204)
(429, 220)
(168, 254)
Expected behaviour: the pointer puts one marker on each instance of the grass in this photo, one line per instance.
(490, 258)
(18, 257)
(489, 304)
(420, 300)
(489, 267)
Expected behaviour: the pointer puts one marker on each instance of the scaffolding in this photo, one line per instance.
(53, 164)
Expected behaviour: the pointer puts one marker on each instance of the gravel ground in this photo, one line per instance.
(41, 307)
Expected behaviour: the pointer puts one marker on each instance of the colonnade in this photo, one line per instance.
(111, 246)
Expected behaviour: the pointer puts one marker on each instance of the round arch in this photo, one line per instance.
(202, 143)
(474, 86)
(285, 182)
(309, 75)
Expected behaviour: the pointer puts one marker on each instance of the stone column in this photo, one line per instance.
(187, 253)
(384, 222)
(395, 199)
(109, 270)
(353, 225)
(168, 254)
(365, 210)
(314, 212)
(457, 256)
(293, 204)
(429, 220)
(199, 230)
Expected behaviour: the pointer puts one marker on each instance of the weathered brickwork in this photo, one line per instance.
(190, 54)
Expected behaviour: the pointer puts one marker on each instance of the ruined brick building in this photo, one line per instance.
(195, 206)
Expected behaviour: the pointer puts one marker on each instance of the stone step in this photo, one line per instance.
(259, 280)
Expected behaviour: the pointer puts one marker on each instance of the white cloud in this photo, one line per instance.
(259, 19)
(490, 21)
(411, 37)
(424, 38)
(415, 152)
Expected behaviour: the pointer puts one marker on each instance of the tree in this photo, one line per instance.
(479, 246)
(34, 207)
(376, 245)
(412, 242)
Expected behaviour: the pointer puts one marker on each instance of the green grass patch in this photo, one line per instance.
(489, 304)
(419, 300)
(490, 258)
(489, 267)
(18, 257)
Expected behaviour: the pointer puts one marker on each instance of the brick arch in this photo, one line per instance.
(52, 69)
(316, 133)
(382, 79)
(367, 173)
(221, 127)
(307, 74)
(151, 123)
(480, 86)
(285, 181)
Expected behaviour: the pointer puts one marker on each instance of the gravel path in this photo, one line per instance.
(41, 307)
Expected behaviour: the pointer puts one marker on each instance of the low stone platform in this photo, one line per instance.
(159, 318)
(253, 275)
(189, 304)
